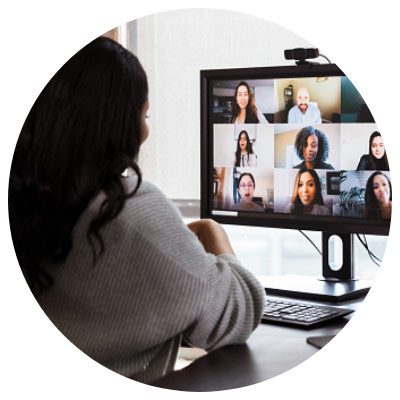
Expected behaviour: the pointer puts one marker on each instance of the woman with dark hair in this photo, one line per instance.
(108, 257)
(312, 146)
(307, 197)
(244, 155)
(244, 110)
(246, 185)
(378, 197)
(377, 158)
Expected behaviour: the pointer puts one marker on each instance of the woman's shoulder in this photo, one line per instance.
(145, 209)
(324, 165)
(248, 207)
(151, 217)
(320, 209)
(288, 208)
(145, 188)
(148, 199)
(258, 207)
(363, 163)
(302, 165)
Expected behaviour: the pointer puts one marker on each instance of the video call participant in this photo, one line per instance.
(312, 146)
(307, 197)
(244, 110)
(246, 186)
(377, 158)
(244, 155)
(378, 197)
(304, 112)
(109, 259)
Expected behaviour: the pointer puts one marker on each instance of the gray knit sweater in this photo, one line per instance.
(153, 284)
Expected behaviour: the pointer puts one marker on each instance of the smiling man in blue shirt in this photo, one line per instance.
(303, 111)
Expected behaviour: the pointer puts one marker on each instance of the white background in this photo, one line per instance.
(37, 38)
(173, 47)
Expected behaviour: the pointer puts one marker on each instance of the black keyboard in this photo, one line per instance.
(299, 313)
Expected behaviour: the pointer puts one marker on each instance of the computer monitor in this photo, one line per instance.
(295, 147)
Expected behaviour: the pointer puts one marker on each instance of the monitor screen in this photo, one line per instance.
(292, 147)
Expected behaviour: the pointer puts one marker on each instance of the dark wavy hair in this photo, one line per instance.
(373, 161)
(251, 109)
(82, 132)
(371, 203)
(297, 206)
(249, 148)
(301, 143)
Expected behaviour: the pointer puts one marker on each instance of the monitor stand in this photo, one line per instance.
(335, 285)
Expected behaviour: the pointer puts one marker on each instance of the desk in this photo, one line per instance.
(270, 351)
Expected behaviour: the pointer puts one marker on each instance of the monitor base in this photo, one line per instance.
(311, 288)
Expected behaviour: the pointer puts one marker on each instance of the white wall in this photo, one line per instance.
(173, 47)
(355, 143)
(263, 95)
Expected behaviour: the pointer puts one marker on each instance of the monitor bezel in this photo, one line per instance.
(324, 224)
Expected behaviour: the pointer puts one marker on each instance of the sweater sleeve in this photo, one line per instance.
(153, 284)
(217, 301)
(233, 308)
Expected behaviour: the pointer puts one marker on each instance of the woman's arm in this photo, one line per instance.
(212, 236)
(190, 275)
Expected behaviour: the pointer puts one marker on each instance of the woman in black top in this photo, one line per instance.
(312, 146)
(377, 158)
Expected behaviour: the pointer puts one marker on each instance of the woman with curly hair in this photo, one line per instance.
(312, 146)
(307, 197)
(106, 254)
(378, 197)
(244, 110)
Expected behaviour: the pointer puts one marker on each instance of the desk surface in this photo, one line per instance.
(270, 351)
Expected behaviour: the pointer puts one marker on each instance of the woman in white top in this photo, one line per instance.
(244, 155)
(244, 110)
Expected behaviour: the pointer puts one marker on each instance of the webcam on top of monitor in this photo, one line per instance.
(301, 55)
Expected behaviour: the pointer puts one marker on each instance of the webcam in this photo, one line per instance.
(301, 55)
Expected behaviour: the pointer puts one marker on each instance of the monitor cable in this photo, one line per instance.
(326, 58)
(319, 251)
(376, 260)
